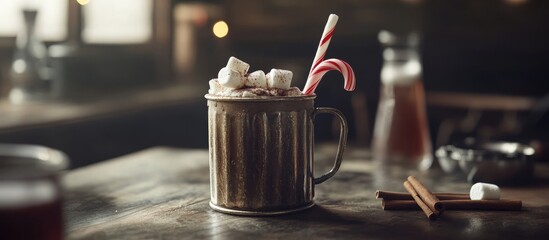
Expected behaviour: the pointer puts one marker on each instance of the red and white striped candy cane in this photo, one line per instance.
(324, 41)
(326, 66)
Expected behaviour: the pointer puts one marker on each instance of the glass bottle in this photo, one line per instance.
(401, 133)
(29, 72)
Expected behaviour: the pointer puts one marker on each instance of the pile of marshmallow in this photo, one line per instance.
(235, 76)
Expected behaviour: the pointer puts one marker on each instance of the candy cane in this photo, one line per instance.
(326, 66)
(324, 41)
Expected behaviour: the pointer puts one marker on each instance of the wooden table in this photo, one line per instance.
(163, 193)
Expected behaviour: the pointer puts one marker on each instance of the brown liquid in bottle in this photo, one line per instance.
(401, 134)
(408, 139)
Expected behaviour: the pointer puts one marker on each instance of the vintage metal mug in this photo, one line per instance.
(261, 153)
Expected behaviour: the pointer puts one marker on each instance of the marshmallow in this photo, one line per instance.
(215, 87)
(238, 65)
(230, 79)
(257, 79)
(279, 78)
(484, 191)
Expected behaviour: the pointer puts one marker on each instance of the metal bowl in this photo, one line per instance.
(497, 162)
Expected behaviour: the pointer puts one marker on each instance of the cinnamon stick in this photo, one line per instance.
(499, 205)
(430, 200)
(389, 195)
(399, 205)
(430, 213)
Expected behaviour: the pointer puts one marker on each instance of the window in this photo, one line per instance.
(103, 22)
(51, 23)
(121, 28)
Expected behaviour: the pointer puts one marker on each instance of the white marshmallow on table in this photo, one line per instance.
(230, 78)
(484, 191)
(257, 79)
(279, 78)
(238, 65)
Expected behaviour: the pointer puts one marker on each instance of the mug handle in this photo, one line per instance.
(342, 141)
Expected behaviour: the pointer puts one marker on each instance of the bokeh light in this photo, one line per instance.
(220, 29)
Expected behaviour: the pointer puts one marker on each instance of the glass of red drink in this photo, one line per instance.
(30, 192)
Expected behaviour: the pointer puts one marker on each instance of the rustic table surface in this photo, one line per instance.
(163, 193)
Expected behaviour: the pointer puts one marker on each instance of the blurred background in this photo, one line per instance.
(98, 78)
